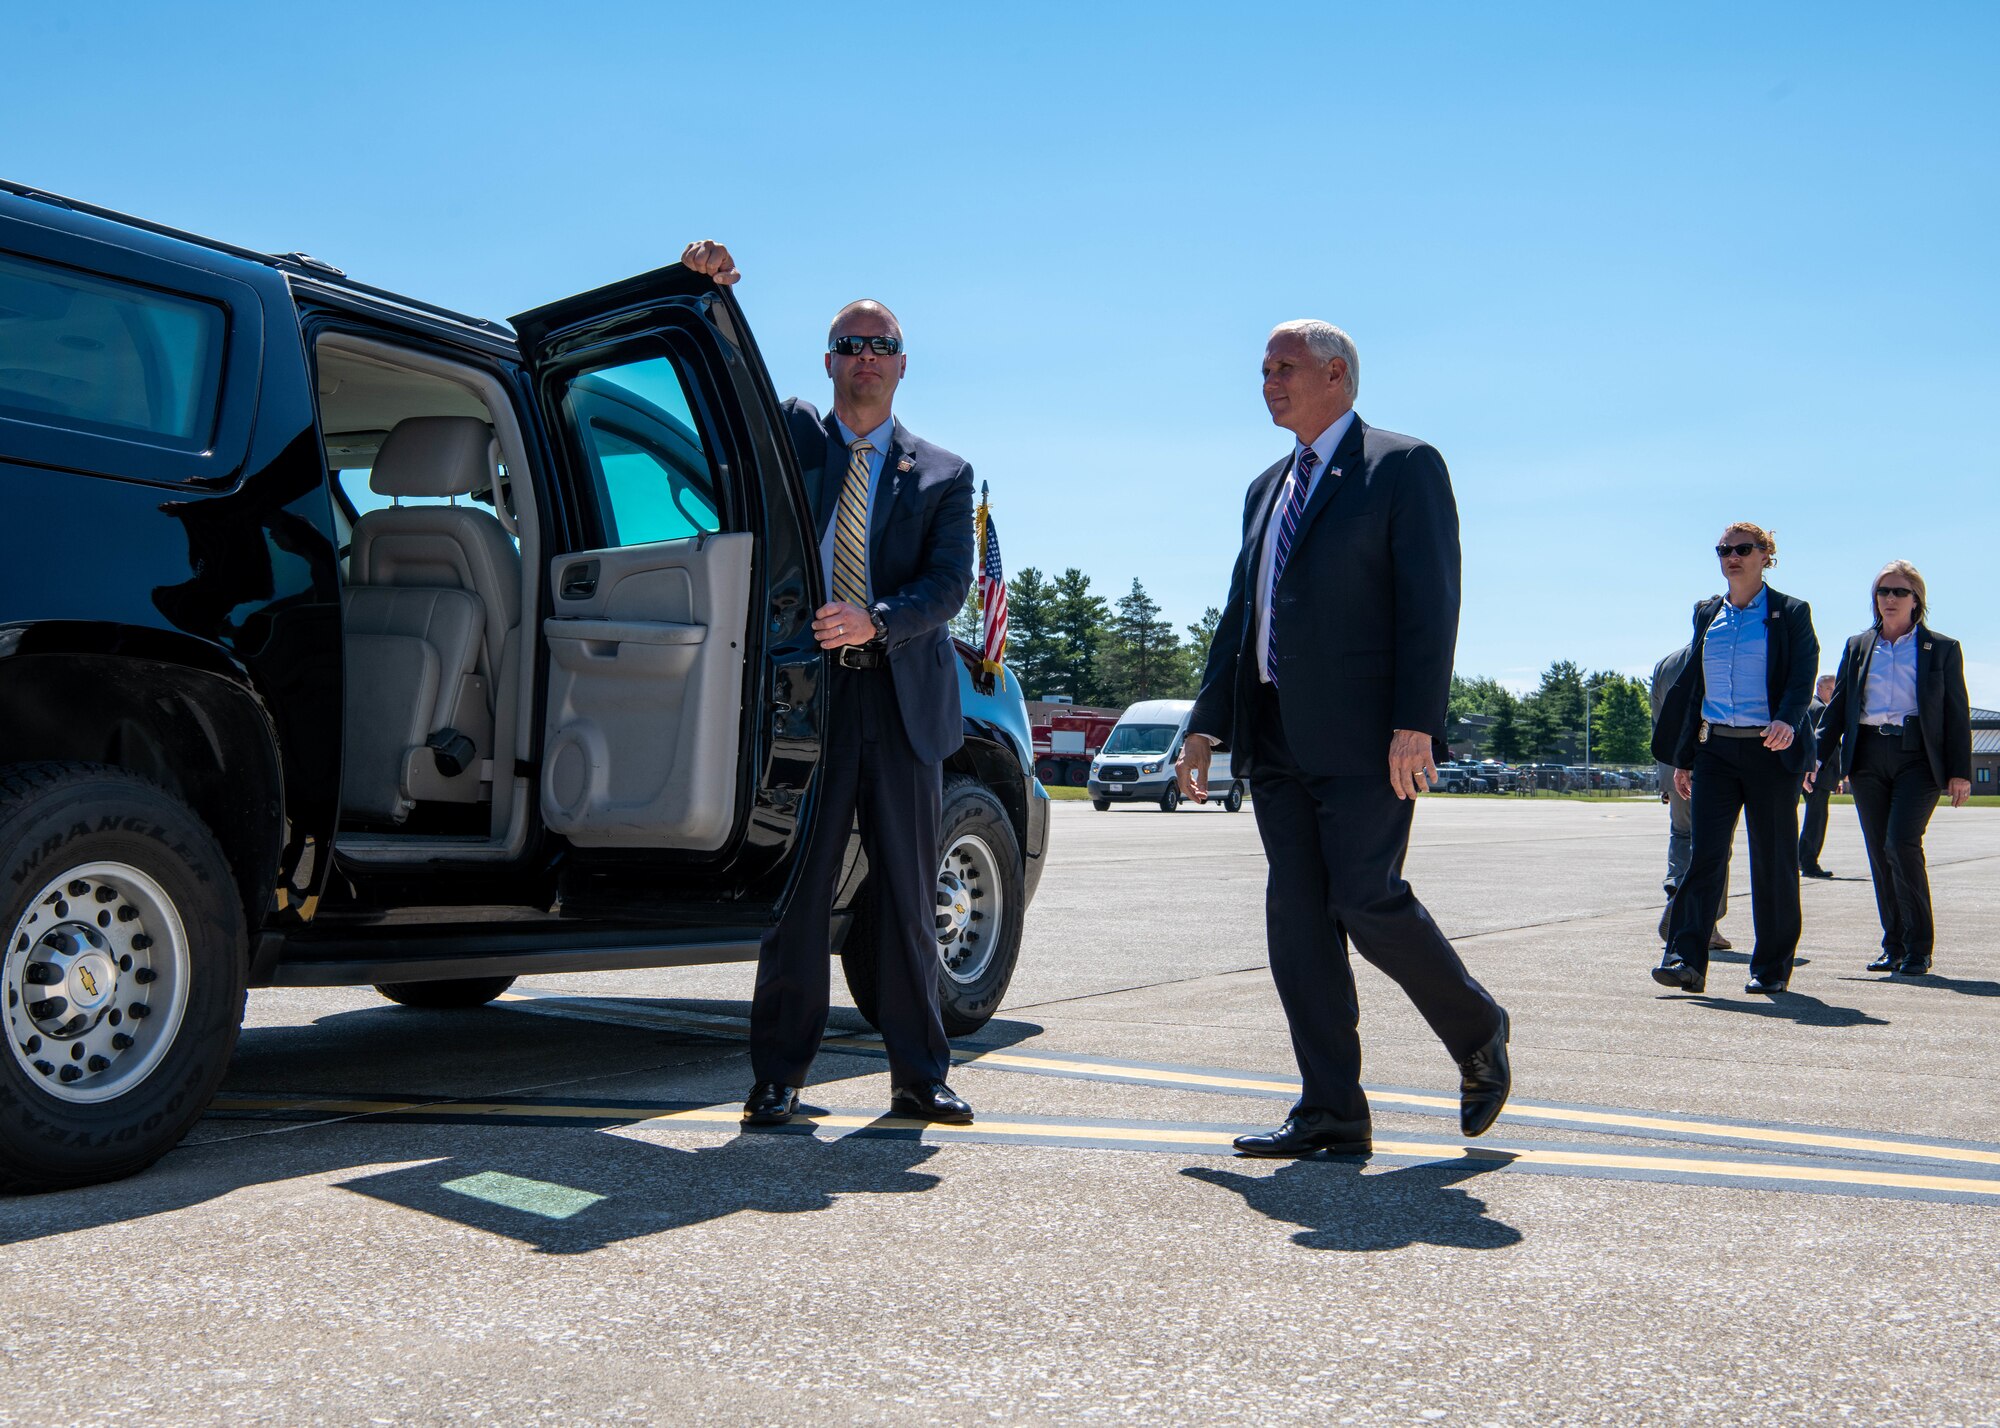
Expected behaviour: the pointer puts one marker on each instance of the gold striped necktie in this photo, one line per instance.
(850, 535)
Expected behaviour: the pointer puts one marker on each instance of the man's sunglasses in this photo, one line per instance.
(1894, 592)
(855, 346)
(1725, 551)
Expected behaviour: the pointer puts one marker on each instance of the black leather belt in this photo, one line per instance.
(1891, 730)
(1731, 731)
(869, 656)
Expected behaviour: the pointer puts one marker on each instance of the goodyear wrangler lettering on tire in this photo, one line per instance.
(122, 974)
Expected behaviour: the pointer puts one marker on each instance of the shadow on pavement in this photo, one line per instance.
(1959, 985)
(1794, 1007)
(626, 1189)
(562, 1189)
(1343, 1209)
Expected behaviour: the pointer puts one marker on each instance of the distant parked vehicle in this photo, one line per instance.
(1136, 764)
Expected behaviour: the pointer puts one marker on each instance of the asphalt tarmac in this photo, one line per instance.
(1715, 1209)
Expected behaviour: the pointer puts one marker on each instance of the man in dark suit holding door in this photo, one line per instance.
(1328, 676)
(895, 517)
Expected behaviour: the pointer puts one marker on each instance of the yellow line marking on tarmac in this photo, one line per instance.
(1113, 1136)
(1819, 1140)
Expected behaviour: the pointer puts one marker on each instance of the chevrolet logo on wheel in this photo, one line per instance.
(89, 982)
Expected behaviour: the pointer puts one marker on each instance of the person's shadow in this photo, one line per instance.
(624, 1189)
(1342, 1209)
(1963, 986)
(1794, 1007)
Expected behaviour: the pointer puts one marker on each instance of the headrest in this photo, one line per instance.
(433, 456)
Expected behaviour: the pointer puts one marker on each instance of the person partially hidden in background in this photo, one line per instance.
(1812, 824)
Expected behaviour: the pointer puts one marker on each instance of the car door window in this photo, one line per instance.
(642, 447)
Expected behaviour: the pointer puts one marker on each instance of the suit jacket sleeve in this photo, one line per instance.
(1214, 712)
(1694, 686)
(1833, 719)
(1423, 543)
(937, 593)
(1803, 672)
(1957, 715)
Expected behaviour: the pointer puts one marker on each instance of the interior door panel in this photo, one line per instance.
(645, 691)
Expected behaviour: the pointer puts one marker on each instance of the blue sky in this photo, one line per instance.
(1636, 270)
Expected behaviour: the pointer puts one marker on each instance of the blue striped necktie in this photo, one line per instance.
(1288, 530)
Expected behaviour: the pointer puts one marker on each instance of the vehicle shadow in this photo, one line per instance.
(1340, 1208)
(560, 1186)
(1794, 1007)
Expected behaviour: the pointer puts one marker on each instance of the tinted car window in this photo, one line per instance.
(107, 357)
(638, 438)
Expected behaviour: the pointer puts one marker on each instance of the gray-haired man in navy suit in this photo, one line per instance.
(1329, 675)
(895, 516)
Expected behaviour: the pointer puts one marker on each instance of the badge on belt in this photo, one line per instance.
(1702, 737)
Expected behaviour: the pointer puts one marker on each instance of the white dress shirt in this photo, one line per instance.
(1889, 694)
(1322, 447)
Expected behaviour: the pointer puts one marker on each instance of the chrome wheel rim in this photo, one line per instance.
(96, 973)
(971, 908)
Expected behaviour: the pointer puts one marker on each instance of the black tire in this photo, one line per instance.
(1102, 805)
(1171, 799)
(445, 995)
(966, 1004)
(1234, 802)
(158, 926)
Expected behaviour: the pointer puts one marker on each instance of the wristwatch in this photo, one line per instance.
(881, 625)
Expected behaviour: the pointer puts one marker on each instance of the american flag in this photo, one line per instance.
(992, 594)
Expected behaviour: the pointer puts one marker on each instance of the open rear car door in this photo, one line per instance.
(682, 710)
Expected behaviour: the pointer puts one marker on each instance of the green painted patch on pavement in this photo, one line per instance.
(533, 1197)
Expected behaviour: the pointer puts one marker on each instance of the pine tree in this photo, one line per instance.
(1504, 739)
(1622, 723)
(1201, 634)
(1033, 647)
(1076, 622)
(1141, 657)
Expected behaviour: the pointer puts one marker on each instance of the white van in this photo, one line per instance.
(1136, 764)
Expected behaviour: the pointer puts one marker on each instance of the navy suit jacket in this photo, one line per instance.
(1791, 669)
(1367, 610)
(1944, 709)
(919, 562)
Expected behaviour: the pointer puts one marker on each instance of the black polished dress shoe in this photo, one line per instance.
(1815, 872)
(1913, 967)
(1673, 972)
(929, 1101)
(1484, 1079)
(1309, 1133)
(770, 1104)
(1887, 962)
(1763, 988)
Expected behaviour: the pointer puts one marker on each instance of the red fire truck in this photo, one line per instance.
(1067, 737)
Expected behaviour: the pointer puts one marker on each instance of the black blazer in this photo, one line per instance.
(1791, 670)
(1944, 710)
(919, 562)
(1367, 610)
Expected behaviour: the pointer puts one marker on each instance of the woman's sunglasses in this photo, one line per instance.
(1725, 551)
(855, 346)
(1894, 592)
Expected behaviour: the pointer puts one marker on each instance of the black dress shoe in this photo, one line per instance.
(1309, 1133)
(1887, 962)
(1913, 967)
(929, 1101)
(770, 1104)
(1485, 1078)
(1673, 972)
(1815, 872)
(1760, 986)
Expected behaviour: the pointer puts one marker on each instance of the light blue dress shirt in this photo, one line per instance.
(1267, 558)
(879, 439)
(1734, 654)
(1891, 691)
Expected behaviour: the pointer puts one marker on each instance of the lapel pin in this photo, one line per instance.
(906, 463)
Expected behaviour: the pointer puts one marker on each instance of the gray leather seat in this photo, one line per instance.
(433, 595)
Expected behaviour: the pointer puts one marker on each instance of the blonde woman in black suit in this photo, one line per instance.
(1899, 729)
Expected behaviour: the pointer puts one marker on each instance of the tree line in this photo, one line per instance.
(1064, 638)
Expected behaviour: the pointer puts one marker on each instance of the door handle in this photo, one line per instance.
(579, 581)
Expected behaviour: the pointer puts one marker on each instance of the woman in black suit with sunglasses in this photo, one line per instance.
(1732, 729)
(1899, 729)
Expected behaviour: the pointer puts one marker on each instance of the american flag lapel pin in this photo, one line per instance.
(906, 463)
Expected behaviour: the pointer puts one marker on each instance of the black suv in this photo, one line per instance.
(348, 640)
